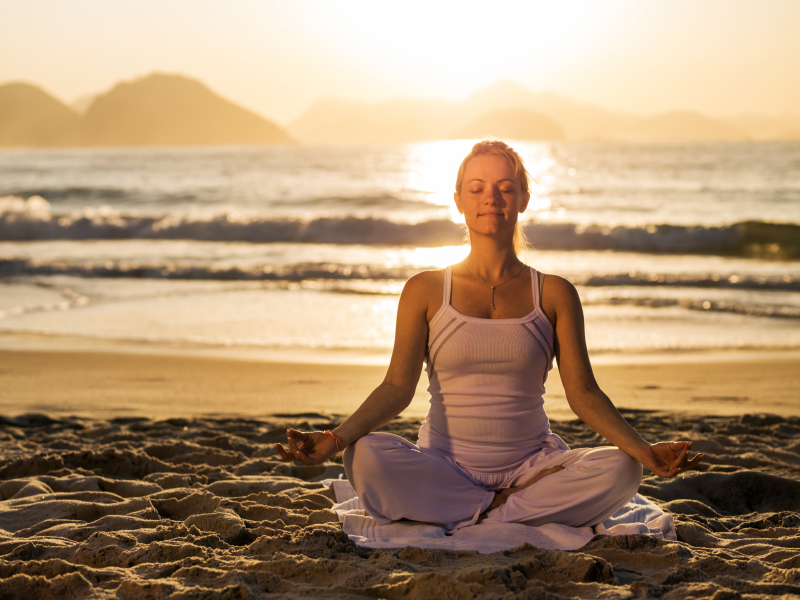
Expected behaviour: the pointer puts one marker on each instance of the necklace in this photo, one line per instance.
(494, 287)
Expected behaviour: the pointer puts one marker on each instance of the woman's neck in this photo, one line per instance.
(491, 260)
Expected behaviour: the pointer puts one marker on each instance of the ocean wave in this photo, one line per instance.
(785, 283)
(33, 219)
(715, 306)
(85, 194)
(10, 267)
(381, 201)
(358, 274)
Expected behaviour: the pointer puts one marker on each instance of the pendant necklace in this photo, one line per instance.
(494, 287)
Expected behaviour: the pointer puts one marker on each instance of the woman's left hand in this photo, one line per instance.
(667, 459)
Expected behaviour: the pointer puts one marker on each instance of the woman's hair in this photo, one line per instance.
(498, 148)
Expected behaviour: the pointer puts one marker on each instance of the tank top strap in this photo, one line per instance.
(448, 284)
(537, 301)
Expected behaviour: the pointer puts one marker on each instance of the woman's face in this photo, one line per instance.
(490, 197)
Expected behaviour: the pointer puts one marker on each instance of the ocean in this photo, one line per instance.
(303, 251)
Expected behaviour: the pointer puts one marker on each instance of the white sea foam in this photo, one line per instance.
(33, 219)
(671, 246)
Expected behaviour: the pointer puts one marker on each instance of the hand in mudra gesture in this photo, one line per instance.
(667, 459)
(309, 448)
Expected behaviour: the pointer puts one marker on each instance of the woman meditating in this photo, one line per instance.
(487, 330)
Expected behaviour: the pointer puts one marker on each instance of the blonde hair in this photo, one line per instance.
(500, 148)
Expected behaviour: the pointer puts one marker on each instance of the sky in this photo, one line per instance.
(720, 57)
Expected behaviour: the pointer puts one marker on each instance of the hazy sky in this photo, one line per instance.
(721, 57)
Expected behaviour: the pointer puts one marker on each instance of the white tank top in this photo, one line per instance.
(487, 378)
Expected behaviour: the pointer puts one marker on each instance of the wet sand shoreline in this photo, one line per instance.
(111, 384)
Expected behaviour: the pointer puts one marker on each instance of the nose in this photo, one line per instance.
(493, 196)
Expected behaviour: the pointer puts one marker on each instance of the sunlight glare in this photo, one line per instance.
(434, 170)
(460, 48)
(429, 257)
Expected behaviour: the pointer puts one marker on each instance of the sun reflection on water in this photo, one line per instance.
(433, 167)
(429, 257)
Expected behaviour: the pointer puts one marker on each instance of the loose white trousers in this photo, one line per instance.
(396, 480)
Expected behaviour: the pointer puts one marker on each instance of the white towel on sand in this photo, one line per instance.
(637, 516)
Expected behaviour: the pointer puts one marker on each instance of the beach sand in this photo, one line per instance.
(152, 476)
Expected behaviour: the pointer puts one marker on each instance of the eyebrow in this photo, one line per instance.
(483, 181)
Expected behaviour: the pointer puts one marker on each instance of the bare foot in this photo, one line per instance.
(501, 496)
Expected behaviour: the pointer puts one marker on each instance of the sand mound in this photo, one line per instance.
(135, 508)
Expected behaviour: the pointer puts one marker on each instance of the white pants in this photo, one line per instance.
(396, 479)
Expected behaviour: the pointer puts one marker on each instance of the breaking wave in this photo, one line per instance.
(10, 267)
(33, 219)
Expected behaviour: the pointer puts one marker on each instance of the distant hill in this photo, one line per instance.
(338, 121)
(580, 121)
(763, 128)
(683, 126)
(155, 110)
(173, 110)
(513, 124)
(29, 116)
(163, 109)
(81, 104)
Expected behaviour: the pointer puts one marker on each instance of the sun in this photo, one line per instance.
(457, 48)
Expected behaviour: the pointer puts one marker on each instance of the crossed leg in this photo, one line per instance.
(396, 480)
(592, 484)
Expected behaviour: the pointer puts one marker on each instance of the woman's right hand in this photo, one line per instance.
(314, 447)
(667, 459)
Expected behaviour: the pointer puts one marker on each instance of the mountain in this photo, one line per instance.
(29, 116)
(337, 121)
(513, 124)
(763, 128)
(163, 109)
(683, 126)
(580, 121)
(80, 105)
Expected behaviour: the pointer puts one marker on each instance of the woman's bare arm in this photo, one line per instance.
(586, 398)
(394, 394)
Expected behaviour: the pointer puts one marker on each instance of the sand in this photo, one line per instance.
(122, 383)
(147, 504)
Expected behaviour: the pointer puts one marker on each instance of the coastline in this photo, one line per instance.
(159, 382)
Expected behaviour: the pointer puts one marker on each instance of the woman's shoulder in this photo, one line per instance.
(558, 294)
(426, 283)
(425, 291)
(555, 284)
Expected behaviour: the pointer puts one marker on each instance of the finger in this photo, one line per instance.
(296, 452)
(683, 458)
(672, 472)
(284, 454)
(679, 447)
(693, 463)
(293, 434)
(690, 464)
(299, 436)
(292, 444)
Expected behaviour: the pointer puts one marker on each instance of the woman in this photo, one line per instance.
(488, 329)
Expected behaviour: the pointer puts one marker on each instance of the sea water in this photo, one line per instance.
(304, 250)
